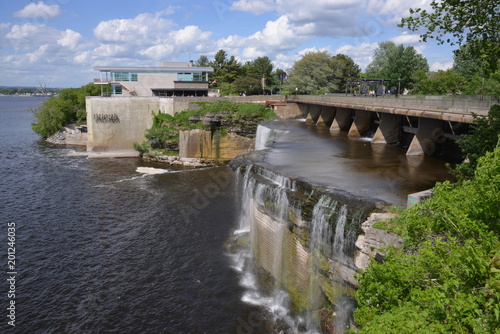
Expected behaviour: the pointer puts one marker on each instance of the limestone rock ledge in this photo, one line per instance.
(373, 240)
(181, 161)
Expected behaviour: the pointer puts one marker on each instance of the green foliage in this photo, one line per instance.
(347, 69)
(227, 89)
(475, 22)
(318, 72)
(438, 83)
(202, 61)
(225, 70)
(446, 279)
(49, 120)
(482, 138)
(67, 107)
(393, 62)
(259, 68)
(164, 134)
(480, 79)
(248, 85)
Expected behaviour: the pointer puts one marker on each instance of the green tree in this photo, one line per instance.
(480, 80)
(481, 139)
(248, 85)
(203, 61)
(314, 73)
(67, 107)
(393, 62)
(261, 67)
(472, 22)
(348, 69)
(438, 83)
(225, 70)
(49, 119)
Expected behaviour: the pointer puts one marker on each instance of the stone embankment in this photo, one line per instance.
(69, 135)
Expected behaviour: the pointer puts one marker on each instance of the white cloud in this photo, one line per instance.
(143, 29)
(179, 42)
(284, 61)
(277, 36)
(445, 65)
(407, 39)
(362, 54)
(30, 36)
(70, 39)
(391, 11)
(256, 7)
(322, 17)
(39, 10)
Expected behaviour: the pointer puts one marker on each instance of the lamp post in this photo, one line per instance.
(296, 89)
(482, 86)
(399, 86)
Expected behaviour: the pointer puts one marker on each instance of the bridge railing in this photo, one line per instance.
(441, 103)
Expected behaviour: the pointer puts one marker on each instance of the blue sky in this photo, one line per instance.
(58, 42)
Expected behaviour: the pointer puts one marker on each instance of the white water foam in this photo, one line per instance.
(73, 153)
(151, 170)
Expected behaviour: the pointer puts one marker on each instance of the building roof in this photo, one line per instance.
(155, 69)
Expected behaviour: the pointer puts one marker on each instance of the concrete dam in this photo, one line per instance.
(307, 192)
(425, 125)
(304, 233)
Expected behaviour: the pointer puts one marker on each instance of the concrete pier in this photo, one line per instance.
(313, 114)
(342, 120)
(326, 117)
(429, 134)
(361, 123)
(389, 129)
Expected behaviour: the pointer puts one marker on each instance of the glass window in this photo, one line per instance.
(117, 89)
(185, 76)
(123, 76)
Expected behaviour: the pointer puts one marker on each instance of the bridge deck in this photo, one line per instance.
(452, 110)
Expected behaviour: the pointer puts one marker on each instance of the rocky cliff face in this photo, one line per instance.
(227, 138)
(302, 236)
(372, 241)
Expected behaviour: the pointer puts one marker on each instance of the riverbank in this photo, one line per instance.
(70, 135)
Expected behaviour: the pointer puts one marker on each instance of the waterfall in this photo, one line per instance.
(294, 259)
(266, 136)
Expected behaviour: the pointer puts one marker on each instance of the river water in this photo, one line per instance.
(102, 248)
(106, 246)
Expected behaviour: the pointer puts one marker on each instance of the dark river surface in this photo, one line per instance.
(102, 247)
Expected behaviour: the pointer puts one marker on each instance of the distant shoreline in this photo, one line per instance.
(27, 95)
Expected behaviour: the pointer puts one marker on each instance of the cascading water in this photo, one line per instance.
(291, 261)
(266, 136)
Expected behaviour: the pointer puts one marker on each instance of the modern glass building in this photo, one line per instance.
(168, 79)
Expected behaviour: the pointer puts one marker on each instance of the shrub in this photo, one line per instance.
(67, 107)
(446, 279)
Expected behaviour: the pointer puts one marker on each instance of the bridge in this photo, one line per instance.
(422, 123)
